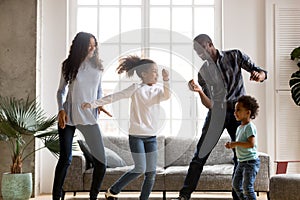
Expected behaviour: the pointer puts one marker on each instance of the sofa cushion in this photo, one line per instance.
(225, 169)
(120, 145)
(112, 158)
(113, 174)
(212, 178)
(220, 154)
(180, 151)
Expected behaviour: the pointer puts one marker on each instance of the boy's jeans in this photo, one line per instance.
(244, 178)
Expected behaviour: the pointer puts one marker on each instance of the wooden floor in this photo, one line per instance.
(154, 196)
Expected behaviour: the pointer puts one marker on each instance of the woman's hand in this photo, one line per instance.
(100, 108)
(62, 119)
(165, 74)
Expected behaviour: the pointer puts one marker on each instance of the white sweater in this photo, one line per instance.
(86, 87)
(144, 109)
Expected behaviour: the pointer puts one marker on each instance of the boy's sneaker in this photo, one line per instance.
(110, 196)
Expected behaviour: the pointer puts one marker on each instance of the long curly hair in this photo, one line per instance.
(134, 63)
(78, 52)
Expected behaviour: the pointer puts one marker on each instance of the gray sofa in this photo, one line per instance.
(174, 156)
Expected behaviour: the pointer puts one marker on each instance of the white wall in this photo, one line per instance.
(53, 28)
(281, 145)
(244, 28)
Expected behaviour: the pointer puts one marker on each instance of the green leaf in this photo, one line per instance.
(51, 140)
(19, 117)
(295, 87)
(295, 53)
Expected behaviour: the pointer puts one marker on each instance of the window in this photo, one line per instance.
(160, 30)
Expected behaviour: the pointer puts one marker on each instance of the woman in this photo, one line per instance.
(80, 81)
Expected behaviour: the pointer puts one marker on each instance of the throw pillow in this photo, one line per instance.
(112, 158)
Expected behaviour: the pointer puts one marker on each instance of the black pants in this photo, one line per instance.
(66, 140)
(218, 118)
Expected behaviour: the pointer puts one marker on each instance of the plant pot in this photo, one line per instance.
(16, 186)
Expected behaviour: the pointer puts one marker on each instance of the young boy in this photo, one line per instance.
(243, 180)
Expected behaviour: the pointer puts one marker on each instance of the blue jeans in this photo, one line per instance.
(212, 125)
(144, 154)
(93, 138)
(244, 178)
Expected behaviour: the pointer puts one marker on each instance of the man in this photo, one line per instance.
(221, 81)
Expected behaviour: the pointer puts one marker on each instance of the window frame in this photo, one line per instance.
(197, 110)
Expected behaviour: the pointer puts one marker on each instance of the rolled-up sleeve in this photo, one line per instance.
(247, 64)
(99, 91)
(126, 93)
(61, 93)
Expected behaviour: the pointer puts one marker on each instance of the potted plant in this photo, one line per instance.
(295, 78)
(20, 118)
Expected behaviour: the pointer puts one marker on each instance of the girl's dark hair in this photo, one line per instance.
(134, 63)
(250, 104)
(77, 54)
